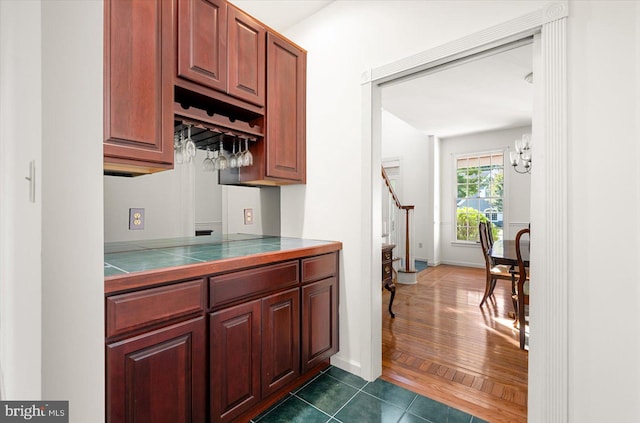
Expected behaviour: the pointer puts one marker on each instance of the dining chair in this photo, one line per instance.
(490, 233)
(522, 288)
(493, 271)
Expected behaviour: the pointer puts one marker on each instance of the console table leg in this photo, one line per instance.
(391, 287)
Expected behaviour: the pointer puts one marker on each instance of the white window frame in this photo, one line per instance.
(472, 154)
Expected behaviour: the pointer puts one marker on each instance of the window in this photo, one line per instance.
(480, 188)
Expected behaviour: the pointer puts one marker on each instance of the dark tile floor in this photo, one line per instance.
(420, 265)
(338, 396)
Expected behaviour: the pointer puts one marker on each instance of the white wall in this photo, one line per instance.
(402, 141)
(72, 211)
(208, 196)
(604, 203)
(20, 219)
(345, 40)
(434, 248)
(413, 149)
(264, 203)
(517, 192)
(168, 200)
(179, 201)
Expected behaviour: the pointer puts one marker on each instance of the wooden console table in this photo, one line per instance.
(388, 280)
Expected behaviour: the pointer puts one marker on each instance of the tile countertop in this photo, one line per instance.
(142, 260)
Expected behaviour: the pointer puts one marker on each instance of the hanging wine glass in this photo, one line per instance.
(239, 162)
(221, 161)
(233, 160)
(247, 157)
(190, 146)
(207, 163)
(177, 146)
(215, 159)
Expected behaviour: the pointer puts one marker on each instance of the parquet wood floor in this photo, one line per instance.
(442, 345)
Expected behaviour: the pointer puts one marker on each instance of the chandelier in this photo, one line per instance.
(521, 158)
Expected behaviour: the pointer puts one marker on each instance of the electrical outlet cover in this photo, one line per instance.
(136, 219)
(248, 216)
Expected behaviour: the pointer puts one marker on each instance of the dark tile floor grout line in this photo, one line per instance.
(333, 417)
(361, 390)
(292, 394)
(349, 400)
(405, 410)
(313, 406)
(389, 402)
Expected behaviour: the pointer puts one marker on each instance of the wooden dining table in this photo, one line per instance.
(504, 252)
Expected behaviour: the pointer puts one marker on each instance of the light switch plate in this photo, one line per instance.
(136, 219)
(248, 216)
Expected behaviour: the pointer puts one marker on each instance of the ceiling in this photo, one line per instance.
(281, 14)
(479, 95)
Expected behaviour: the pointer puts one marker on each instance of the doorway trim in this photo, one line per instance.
(548, 367)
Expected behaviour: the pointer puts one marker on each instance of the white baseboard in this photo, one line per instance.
(462, 263)
(407, 278)
(347, 365)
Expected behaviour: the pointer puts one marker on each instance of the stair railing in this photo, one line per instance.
(407, 232)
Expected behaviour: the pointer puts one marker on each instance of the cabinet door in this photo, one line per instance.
(319, 322)
(246, 57)
(286, 110)
(235, 360)
(280, 340)
(202, 42)
(158, 376)
(138, 86)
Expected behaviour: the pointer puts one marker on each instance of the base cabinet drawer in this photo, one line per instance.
(135, 310)
(232, 287)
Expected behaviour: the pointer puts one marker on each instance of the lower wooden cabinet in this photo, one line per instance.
(319, 321)
(255, 350)
(235, 360)
(263, 327)
(159, 376)
(280, 340)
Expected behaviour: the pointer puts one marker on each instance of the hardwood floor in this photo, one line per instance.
(442, 345)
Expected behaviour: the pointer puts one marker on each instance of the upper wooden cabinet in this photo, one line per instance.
(138, 86)
(206, 62)
(246, 58)
(202, 42)
(286, 110)
(220, 48)
(280, 158)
